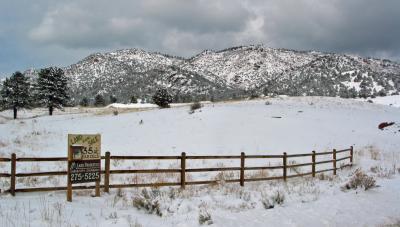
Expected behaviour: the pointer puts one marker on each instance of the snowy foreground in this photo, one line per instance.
(292, 125)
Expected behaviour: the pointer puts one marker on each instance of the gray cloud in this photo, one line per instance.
(44, 32)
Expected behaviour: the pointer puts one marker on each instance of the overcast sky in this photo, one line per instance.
(38, 33)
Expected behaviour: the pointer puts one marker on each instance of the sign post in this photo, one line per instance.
(84, 161)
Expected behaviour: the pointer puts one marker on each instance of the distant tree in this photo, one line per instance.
(52, 88)
(133, 99)
(162, 98)
(99, 100)
(15, 93)
(113, 99)
(352, 93)
(84, 102)
(364, 89)
(344, 93)
(382, 92)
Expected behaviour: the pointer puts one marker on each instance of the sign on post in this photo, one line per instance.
(84, 161)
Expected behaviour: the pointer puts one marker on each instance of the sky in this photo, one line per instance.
(41, 33)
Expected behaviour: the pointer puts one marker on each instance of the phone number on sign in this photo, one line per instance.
(85, 176)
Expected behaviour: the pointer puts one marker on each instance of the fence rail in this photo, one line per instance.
(107, 171)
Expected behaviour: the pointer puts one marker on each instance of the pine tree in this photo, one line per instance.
(99, 100)
(52, 88)
(16, 93)
(133, 99)
(84, 102)
(113, 99)
(162, 98)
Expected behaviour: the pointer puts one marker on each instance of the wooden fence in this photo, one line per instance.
(107, 171)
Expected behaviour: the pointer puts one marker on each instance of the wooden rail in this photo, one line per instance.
(107, 172)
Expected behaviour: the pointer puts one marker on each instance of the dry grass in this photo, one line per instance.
(360, 179)
(369, 151)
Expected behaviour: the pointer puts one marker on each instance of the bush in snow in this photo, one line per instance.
(133, 99)
(162, 98)
(84, 102)
(52, 88)
(360, 179)
(115, 112)
(99, 100)
(15, 93)
(113, 99)
(269, 202)
(205, 217)
(195, 106)
(278, 197)
(147, 200)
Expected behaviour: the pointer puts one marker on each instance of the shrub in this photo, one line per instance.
(278, 197)
(115, 112)
(133, 99)
(205, 217)
(195, 106)
(267, 203)
(113, 99)
(84, 102)
(147, 200)
(162, 98)
(99, 100)
(360, 179)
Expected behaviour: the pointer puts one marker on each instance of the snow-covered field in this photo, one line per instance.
(268, 126)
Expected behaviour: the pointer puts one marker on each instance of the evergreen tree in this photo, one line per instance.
(52, 88)
(352, 92)
(162, 98)
(133, 99)
(84, 102)
(99, 100)
(113, 99)
(16, 93)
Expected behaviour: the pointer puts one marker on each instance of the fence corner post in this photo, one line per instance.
(13, 172)
(107, 172)
(351, 155)
(334, 161)
(313, 163)
(242, 158)
(183, 170)
(284, 166)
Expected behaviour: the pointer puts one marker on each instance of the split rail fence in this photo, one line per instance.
(107, 171)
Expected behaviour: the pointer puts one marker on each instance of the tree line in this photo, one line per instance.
(51, 90)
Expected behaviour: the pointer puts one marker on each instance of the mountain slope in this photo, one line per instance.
(230, 73)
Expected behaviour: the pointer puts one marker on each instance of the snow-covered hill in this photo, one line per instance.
(305, 124)
(230, 73)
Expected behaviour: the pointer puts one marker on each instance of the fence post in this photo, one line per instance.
(313, 163)
(13, 172)
(107, 172)
(284, 166)
(351, 155)
(69, 182)
(334, 161)
(242, 157)
(183, 170)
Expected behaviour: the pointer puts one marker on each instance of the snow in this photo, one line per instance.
(132, 105)
(393, 100)
(306, 124)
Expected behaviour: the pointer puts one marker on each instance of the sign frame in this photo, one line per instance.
(84, 161)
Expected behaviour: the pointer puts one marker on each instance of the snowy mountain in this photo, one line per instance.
(233, 72)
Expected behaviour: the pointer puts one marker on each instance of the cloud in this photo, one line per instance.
(44, 32)
(148, 24)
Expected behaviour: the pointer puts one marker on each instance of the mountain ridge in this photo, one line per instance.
(231, 73)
